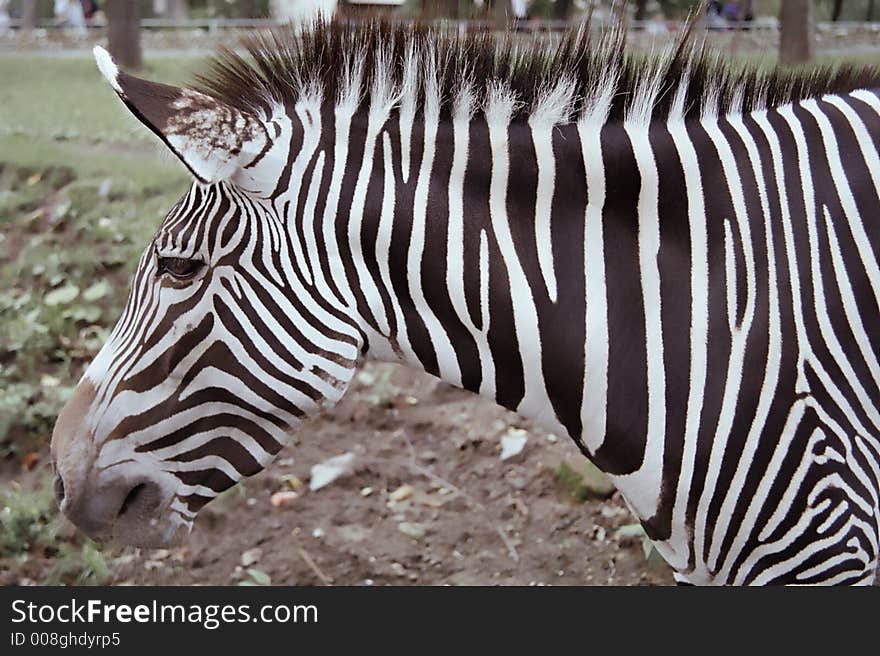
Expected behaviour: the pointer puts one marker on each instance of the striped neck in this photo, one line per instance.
(445, 247)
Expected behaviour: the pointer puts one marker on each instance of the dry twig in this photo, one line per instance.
(326, 580)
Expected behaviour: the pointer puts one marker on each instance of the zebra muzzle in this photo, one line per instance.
(126, 502)
(113, 505)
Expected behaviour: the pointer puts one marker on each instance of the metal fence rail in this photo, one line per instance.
(217, 24)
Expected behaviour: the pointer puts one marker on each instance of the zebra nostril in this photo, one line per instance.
(58, 489)
(131, 498)
(140, 501)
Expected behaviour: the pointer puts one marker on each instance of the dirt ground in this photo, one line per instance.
(471, 518)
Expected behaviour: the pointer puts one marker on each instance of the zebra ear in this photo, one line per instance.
(215, 141)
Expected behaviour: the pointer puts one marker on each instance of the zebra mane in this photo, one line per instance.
(419, 68)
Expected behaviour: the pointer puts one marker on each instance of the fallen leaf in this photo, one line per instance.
(513, 442)
(62, 295)
(412, 530)
(251, 556)
(59, 214)
(293, 482)
(429, 500)
(96, 291)
(259, 576)
(612, 512)
(401, 493)
(629, 532)
(86, 313)
(328, 471)
(30, 460)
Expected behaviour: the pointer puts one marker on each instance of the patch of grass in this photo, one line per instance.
(144, 166)
(769, 58)
(69, 99)
(571, 481)
(32, 529)
(79, 565)
(70, 243)
(380, 390)
(27, 519)
(237, 491)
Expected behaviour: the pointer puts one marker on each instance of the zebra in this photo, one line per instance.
(669, 259)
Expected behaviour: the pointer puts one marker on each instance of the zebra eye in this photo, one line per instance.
(179, 267)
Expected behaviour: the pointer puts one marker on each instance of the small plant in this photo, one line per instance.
(79, 565)
(237, 491)
(636, 533)
(382, 391)
(27, 519)
(31, 526)
(571, 481)
(256, 577)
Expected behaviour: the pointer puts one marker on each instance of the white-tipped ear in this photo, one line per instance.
(214, 140)
(107, 67)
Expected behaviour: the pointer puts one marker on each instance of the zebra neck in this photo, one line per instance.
(467, 241)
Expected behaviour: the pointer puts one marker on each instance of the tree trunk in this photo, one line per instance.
(836, 9)
(249, 9)
(562, 9)
(796, 32)
(502, 13)
(641, 10)
(870, 15)
(440, 8)
(28, 15)
(124, 32)
(178, 9)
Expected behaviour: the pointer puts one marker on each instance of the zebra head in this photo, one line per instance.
(223, 347)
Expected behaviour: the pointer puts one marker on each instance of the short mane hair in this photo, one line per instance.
(432, 67)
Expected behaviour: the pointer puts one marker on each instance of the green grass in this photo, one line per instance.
(30, 527)
(83, 187)
(62, 113)
(68, 98)
(26, 519)
(769, 58)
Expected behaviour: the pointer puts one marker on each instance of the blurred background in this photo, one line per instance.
(439, 487)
